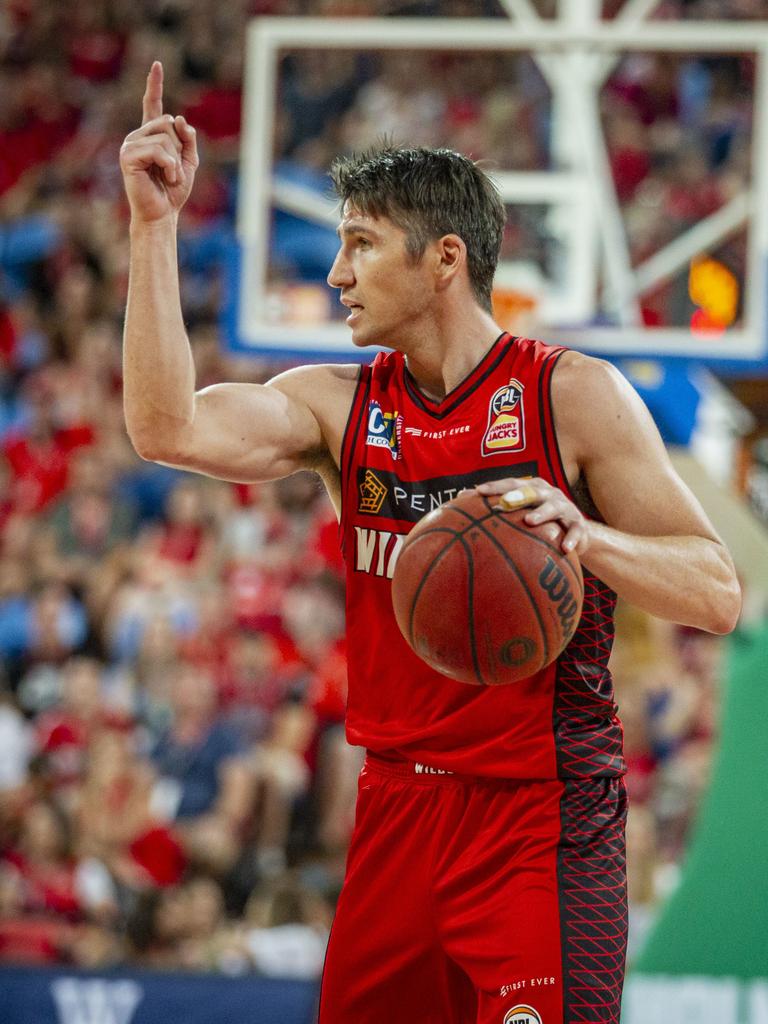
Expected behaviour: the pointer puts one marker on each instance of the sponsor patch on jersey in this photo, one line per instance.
(439, 435)
(372, 494)
(522, 1015)
(506, 421)
(385, 493)
(384, 429)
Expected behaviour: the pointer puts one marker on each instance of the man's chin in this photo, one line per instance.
(362, 338)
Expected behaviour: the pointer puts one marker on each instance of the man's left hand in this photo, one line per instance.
(548, 504)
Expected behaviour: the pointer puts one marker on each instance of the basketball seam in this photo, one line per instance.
(550, 547)
(424, 578)
(522, 581)
(471, 589)
(500, 515)
(457, 536)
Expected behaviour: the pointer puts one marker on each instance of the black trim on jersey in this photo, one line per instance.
(346, 435)
(555, 442)
(550, 435)
(545, 404)
(349, 440)
(466, 387)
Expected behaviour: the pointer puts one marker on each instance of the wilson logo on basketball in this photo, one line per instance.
(555, 584)
(506, 422)
(522, 1015)
(517, 651)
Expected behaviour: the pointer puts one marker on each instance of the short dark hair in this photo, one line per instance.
(429, 193)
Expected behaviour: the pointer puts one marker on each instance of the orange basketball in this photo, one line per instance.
(481, 596)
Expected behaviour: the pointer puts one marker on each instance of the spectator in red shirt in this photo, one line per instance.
(184, 542)
(39, 459)
(64, 732)
(39, 893)
(217, 109)
(114, 815)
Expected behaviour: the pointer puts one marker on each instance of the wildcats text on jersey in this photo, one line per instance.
(376, 551)
(382, 492)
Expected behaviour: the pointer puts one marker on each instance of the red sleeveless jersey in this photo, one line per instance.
(403, 455)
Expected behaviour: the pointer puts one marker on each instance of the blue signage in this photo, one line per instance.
(35, 996)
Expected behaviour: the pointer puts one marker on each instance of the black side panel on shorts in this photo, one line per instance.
(592, 883)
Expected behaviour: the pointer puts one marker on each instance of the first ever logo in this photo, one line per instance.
(384, 429)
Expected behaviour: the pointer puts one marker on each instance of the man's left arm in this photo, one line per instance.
(656, 547)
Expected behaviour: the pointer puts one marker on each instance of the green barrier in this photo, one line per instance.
(707, 957)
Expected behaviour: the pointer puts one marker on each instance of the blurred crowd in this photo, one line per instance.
(175, 789)
(678, 131)
(669, 687)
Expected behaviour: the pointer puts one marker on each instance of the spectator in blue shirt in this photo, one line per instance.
(204, 783)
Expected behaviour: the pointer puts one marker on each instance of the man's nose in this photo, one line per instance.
(340, 275)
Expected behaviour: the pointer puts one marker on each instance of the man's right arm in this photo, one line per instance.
(243, 432)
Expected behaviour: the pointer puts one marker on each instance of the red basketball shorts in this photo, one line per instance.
(474, 901)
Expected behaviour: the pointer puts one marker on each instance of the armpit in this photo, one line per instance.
(584, 501)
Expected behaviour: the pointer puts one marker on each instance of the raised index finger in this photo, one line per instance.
(152, 103)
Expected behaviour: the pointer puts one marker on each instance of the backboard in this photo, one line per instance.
(630, 232)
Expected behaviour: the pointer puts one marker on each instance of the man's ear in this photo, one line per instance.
(450, 259)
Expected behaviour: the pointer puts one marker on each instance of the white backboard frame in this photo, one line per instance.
(587, 50)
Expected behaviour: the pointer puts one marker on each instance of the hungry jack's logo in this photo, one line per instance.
(506, 421)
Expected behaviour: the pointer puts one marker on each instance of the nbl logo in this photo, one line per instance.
(522, 1015)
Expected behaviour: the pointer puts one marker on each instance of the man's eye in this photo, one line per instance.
(363, 243)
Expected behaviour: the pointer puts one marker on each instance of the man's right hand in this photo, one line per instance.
(158, 160)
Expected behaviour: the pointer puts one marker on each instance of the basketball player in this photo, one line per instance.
(485, 881)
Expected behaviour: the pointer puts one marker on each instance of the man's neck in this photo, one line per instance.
(442, 359)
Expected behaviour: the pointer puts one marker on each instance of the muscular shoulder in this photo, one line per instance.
(319, 383)
(577, 374)
(327, 391)
(594, 405)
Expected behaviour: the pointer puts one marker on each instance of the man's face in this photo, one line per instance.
(387, 292)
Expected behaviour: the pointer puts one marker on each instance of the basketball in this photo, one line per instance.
(483, 597)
